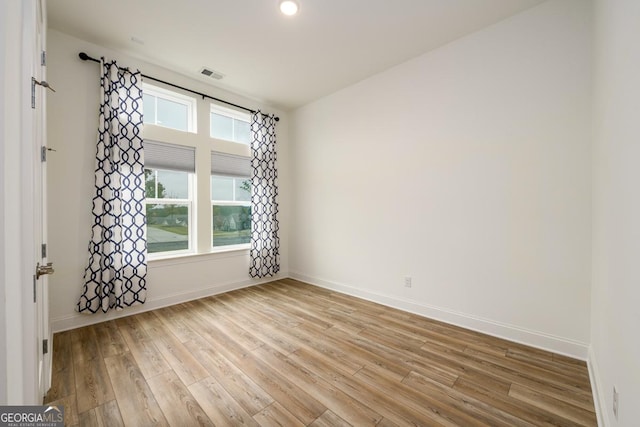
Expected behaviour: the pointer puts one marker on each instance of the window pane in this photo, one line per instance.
(167, 227)
(173, 114)
(221, 127)
(173, 185)
(243, 189)
(231, 225)
(241, 130)
(149, 105)
(221, 188)
(150, 183)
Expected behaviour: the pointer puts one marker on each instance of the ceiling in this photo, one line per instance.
(282, 61)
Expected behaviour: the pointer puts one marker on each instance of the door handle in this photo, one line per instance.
(41, 270)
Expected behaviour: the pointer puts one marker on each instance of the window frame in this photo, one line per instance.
(190, 102)
(243, 203)
(191, 203)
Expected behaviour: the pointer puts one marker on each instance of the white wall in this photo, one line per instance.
(615, 340)
(467, 168)
(4, 19)
(72, 131)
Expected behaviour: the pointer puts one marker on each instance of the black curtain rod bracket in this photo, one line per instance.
(86, 57)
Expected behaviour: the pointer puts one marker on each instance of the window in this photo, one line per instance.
(178, 221)
(231, 125)
(230, 199)
(169, 172)
(168, 109)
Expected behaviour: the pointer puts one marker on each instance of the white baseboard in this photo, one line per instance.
(510, 332)
(559, 345)
(597, 390)
(78, 320)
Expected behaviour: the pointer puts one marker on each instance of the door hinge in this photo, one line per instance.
(43, 58)
(33, 93)
(34, 288)
(45, 346)
(44, 250)
(43, 154)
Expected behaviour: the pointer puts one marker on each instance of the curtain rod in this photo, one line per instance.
(86, 57)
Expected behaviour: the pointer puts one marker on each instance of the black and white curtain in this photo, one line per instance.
(115, 276)
(265, 244)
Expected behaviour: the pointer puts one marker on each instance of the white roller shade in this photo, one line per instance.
(160, 155)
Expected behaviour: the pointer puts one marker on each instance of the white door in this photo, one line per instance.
(43, 268)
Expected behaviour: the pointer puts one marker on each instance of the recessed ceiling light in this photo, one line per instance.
(289, 7)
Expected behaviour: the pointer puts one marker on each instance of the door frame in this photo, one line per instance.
(43, 328)
(18, 340)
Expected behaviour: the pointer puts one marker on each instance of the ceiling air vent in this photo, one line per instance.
(211, 73)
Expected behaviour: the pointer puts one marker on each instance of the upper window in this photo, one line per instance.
(231, 125)
(169, 109)
(169, 172)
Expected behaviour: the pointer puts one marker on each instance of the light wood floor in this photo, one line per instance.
(291, 354)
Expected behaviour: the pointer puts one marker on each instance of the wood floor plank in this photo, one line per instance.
(576, 371)
(372, 352)
(173, 319)
(551, 376)
(305, 407)
(249, 395)
(88, 419)
(150, 360)
(455, 399)
(275, 415)
(342, 404)
(70, 409)
(312, 338)
(385, 422)
(254, 322)
(329, 419)
(320, 318)
(428, 364)
(530, 413)
(288, 304)
(477, 361)
(282, 318)
(212, 313)
(422, 403)
(176, 401)
(547, 402)
(109, 339)
(107, 415)
(173, 351)
(289, 353)
(220, 406)
(84, 345)
(92, 384)
(490, 383)
(373, 397)
(136, 402)
(62, 378)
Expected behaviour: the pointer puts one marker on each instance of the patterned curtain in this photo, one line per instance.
(265, 245)
(115, 276)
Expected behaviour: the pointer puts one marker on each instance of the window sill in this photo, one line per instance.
(216, 253)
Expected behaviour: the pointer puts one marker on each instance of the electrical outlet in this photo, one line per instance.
(615, 402)
(407, 282)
